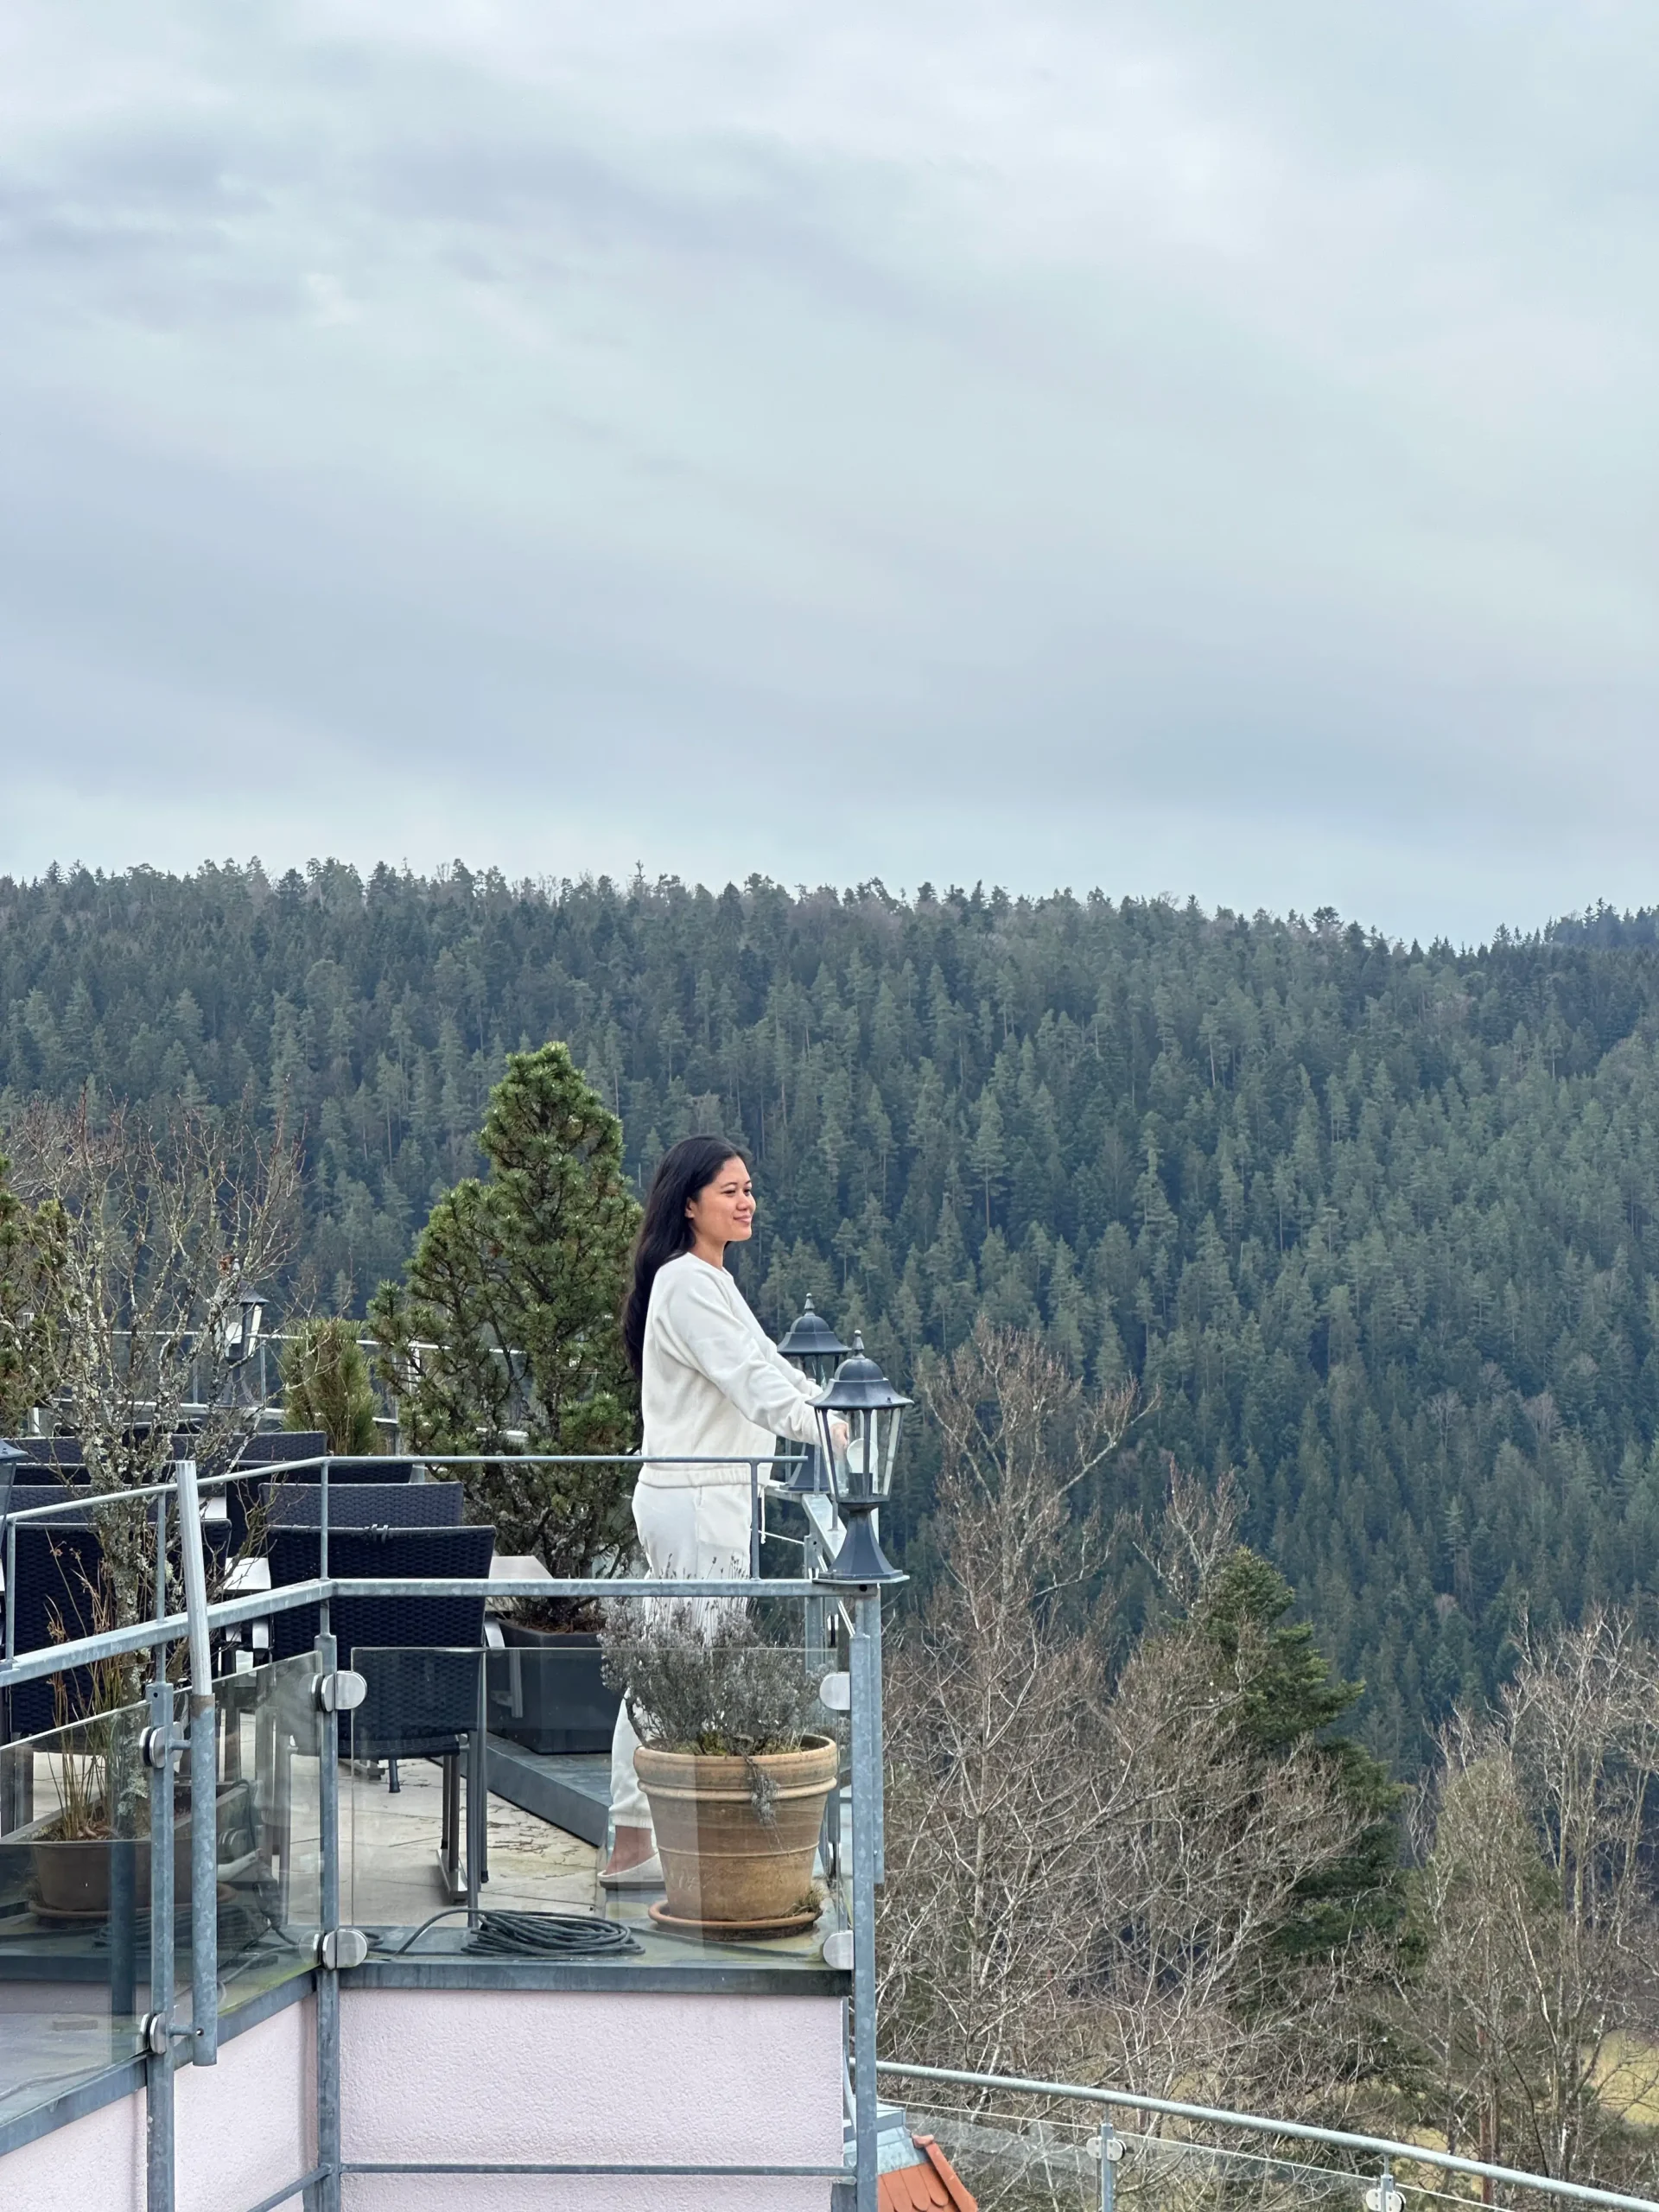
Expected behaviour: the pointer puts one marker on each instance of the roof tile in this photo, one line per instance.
(956, 2198)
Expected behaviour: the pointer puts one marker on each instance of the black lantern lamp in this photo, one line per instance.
(862, 1401)
(813, 1346)
(250, 1312)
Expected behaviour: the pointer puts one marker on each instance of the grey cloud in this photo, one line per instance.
(1177, 446)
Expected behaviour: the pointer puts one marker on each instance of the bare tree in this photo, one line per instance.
(158, 1232)
(998, 1792)
(1086, 1877)
(1536, 2006)
(1206, 1863)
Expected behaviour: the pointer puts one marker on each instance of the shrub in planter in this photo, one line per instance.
(103, 1809)
(73, 1873)
(503, 1337)
(735, 1759)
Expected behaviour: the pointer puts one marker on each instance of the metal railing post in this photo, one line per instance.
(1110, 2151)
(158, 2070)
(13, 1810)
(1384, 2196)
(814, 1611)
(322, 1538)
(754, 1521)
(878, 1736)
(329, 2150)
(865, 1757)
(478, 1799)
(204, 1780)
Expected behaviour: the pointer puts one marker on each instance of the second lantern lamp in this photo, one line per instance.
(813, 1346)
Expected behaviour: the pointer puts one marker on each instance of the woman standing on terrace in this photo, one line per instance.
(713, 1387)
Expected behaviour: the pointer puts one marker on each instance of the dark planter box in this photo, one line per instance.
(547, 1691)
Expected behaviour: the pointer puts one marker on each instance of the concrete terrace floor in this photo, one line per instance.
(389, 1854)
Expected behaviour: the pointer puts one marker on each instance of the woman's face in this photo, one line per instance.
(722, 1212)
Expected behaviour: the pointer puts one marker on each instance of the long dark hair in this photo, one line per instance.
(683, 1170)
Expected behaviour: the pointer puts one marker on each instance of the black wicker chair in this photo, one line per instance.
(226, 1507)
(421, 1657)
(367, 1505)
(372, 1470)
(63, 1451)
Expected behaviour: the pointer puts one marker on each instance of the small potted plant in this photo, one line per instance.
(735, 1759)
(94, 1764)
(102, 1809)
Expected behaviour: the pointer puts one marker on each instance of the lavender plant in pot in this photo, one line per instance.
(735, 1759)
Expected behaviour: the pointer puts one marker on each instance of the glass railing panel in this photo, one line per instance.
(747, 1846)
(1013, 2162)
(268, 1829)
(411, 1747)
(74, 1905)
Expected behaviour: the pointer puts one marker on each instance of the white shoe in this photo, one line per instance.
(647, 1875)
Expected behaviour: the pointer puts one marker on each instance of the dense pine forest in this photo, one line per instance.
(1377, 1226)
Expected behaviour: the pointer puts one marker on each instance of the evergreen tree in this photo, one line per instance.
(504, 1336)
(327, 1385)
(1292, 1701)
(1376, 1224)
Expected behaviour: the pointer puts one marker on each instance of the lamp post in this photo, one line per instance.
(250, 1312)
(13, 1813)
(813, 1346)
(860, 1416)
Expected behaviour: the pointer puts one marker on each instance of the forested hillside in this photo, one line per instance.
(1377, 1226)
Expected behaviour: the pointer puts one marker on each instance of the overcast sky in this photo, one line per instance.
(1187, 446)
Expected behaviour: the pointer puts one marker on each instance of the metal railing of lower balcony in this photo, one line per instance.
(1384, 2190)
(137, 1753)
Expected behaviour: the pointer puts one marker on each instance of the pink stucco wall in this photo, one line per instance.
(538, 2075)
(487, 2075)
(243, 2128)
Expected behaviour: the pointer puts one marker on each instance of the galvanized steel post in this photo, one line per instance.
(204, 1780)
(1384, 2196)
(866, 1710)
(158, 2070)
(322, 1541)
(478, 1798)
(878, 1730)
(1110, 2151)
(329, 2151)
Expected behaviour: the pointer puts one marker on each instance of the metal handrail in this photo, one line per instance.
(231, 1612)
(1256, 2123)
(114, 1643)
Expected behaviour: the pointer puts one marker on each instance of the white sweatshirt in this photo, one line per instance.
(714, 1385)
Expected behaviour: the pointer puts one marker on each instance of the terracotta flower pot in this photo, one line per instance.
(722, 1864)
(72, 1877)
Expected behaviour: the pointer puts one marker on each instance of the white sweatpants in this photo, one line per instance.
(694, 1535)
